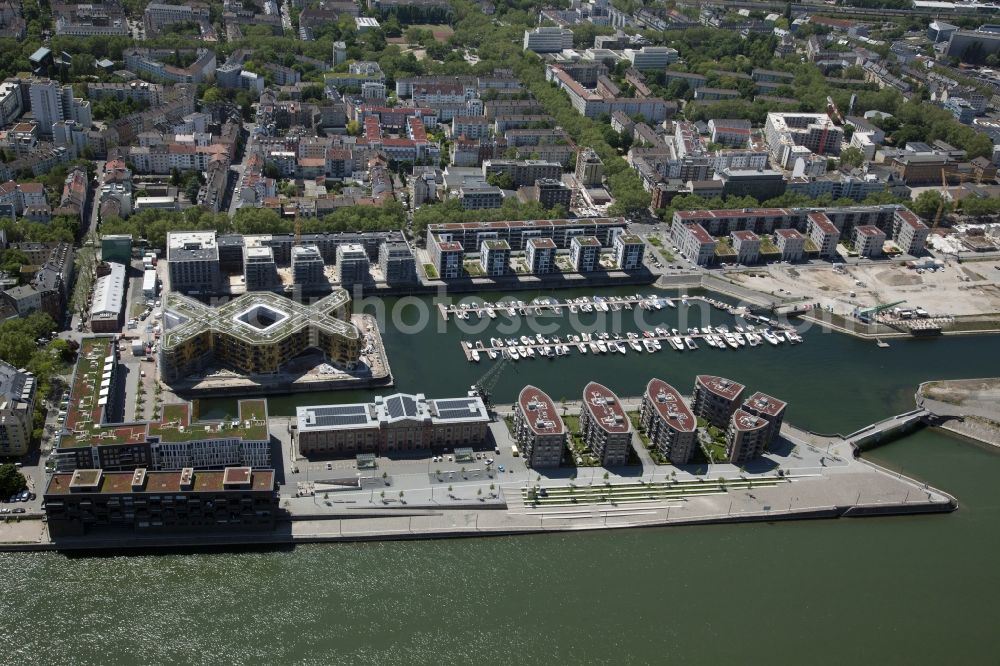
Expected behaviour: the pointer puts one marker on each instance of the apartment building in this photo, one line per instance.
(17, 410)
(353, 265)
(260, 272)
(480, 196)
(909, 233)
(824, 234)
(144, 502)
(814, 131)
(151, 61)
(193, 262)
(868, 241)
(308, 267)
(494, 257)
(790, 243)
(746, 244)
(399, 422)
(524, 172)
(605, 426)
(257, 333)
(768, 408)
(716, 399)
(89, 20)
(538, 429)
(746, 437)
(726, 132)
(585, 254)
(629, 250)
(589, 168)
(397, 263)
(546, 39)
(651, 58)
(669, 423)
(694, 242)
(517, 233)
(448, 257)
(540, 256)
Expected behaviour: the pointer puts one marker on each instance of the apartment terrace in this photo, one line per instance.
(87, 378)
(259, 318)
(120, 483)
(176, 426)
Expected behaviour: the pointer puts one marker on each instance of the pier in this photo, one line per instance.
(548, 305)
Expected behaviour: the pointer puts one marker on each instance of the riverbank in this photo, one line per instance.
(966, 407)
(820, 477)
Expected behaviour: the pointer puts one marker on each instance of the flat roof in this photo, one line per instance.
(195, 318)
(788, 233)
(699, 233)
(528, 224)
(540, 412)
(606, 408)
(823, 223)
(745, 421)
(910, 218)
(120, 483)
(720, 386)
(542, 243)
(745, 235)
(670, 406)
(765, 404)
(869, 230)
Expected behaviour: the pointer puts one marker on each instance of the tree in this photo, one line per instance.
(11, 261)
(11, 480)
(927, 203)
(852, 157)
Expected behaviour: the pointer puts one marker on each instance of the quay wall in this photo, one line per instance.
(282, 537)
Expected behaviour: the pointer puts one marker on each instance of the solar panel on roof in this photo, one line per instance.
(399, 405)
(340, 415)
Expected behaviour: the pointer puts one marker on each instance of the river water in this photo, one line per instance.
(906, 590)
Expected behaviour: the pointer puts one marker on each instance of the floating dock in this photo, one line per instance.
(598, 304)
(650, 342)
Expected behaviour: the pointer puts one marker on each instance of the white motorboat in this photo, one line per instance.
(690, 343)
(475, 355)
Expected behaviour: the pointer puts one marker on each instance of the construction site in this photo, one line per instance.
(907, 297)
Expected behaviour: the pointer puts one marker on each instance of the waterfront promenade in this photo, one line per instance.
(807, 476)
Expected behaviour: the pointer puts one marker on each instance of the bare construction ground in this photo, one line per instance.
(959, 290)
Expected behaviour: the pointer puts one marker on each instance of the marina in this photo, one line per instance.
(649, 342)
(546, 305)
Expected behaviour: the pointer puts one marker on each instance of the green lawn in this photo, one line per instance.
(430, 271)
(473, 268)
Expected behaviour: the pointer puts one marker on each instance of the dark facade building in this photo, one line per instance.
(143, 502)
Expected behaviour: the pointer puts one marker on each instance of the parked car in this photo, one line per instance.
(18, 510)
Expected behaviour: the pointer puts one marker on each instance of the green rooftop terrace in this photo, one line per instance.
(257, 318)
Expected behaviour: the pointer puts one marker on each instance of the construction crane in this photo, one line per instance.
(962, 177)
(867, 314)
(484, 385)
